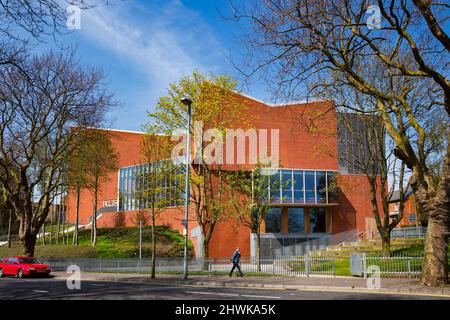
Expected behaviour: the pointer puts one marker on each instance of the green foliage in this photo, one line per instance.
(248, 200)
(112, 243)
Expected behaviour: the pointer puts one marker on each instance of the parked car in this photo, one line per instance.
(22, 266)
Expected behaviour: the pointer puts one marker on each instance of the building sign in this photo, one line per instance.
(110, 203)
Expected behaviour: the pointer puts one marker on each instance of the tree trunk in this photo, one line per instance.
(58, 218)
(386, 244)
(77, 215)
(258, 249)
(153, 247)
(94, 219)
(52, 212)
(9, 228)
(437, 208)
(205, 246)
(63, 226)
(27, 238)
(434, 268)
(43, 234)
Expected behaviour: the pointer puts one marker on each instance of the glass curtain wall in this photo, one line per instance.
(302, 186)
(134, 182)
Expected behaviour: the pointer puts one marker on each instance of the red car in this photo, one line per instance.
(21, 266)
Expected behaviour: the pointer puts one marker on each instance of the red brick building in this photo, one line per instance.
(410, 217)
(309, 157)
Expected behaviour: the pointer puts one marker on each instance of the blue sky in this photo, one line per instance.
(142, 46)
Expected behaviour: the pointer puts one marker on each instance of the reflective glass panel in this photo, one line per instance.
(332, 186)
(317, 218)
(298, 187)
(309, 186)
(275, 186)
(273, 220)
(321, 186)
(296, 220)
(286, 186)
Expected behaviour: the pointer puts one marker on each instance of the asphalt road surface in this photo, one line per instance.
(45, 289)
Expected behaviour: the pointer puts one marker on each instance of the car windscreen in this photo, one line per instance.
(29, 260)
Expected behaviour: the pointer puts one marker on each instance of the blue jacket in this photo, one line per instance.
(236, 256)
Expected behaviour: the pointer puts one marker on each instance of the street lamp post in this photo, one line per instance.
(187, 102)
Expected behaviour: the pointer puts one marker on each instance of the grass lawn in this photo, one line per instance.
(111, 243)
(342, 265)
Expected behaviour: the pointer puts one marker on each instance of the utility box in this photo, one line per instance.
(356, 266)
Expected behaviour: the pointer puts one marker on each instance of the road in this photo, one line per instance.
(45, 289)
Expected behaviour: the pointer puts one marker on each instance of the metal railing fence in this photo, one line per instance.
(409, 232)
(398, 265)
(278, 266)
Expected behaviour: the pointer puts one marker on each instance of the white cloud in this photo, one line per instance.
(164, 42)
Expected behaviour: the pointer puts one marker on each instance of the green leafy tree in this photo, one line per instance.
(248, 199)
(214, 106)
(157, 184)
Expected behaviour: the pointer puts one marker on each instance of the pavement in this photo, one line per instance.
(398, 286)
(57, 289)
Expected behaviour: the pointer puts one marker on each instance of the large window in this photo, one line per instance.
(296, 220)
(310, 187)
(331, 186)
(317, 217)
(286, 186)
(273, 220)
(298, 186)
(302, 186)
(275, 186)
(135, 183)
(321, 187)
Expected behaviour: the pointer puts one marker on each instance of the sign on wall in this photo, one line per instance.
(110, 203)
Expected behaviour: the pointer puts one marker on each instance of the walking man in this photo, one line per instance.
(235, 261)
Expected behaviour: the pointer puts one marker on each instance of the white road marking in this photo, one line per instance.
(262, 297)
(40, 291)
(234, 295)
(213, 293)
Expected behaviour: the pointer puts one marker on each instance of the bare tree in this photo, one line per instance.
(76, 172)
(39, 18)
(101, 159)
(310, 47)
(364, 149)
(43, 106)
(159, 183)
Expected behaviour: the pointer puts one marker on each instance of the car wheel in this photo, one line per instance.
(1, 273)
(20, 274)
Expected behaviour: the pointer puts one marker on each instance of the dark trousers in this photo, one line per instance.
(236, 265)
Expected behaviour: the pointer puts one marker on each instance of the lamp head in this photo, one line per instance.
(186, 101)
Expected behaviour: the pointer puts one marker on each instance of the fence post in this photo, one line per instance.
(334, 266)
(364, 256)
(273, 267)
(307, 265)
(409, 267)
